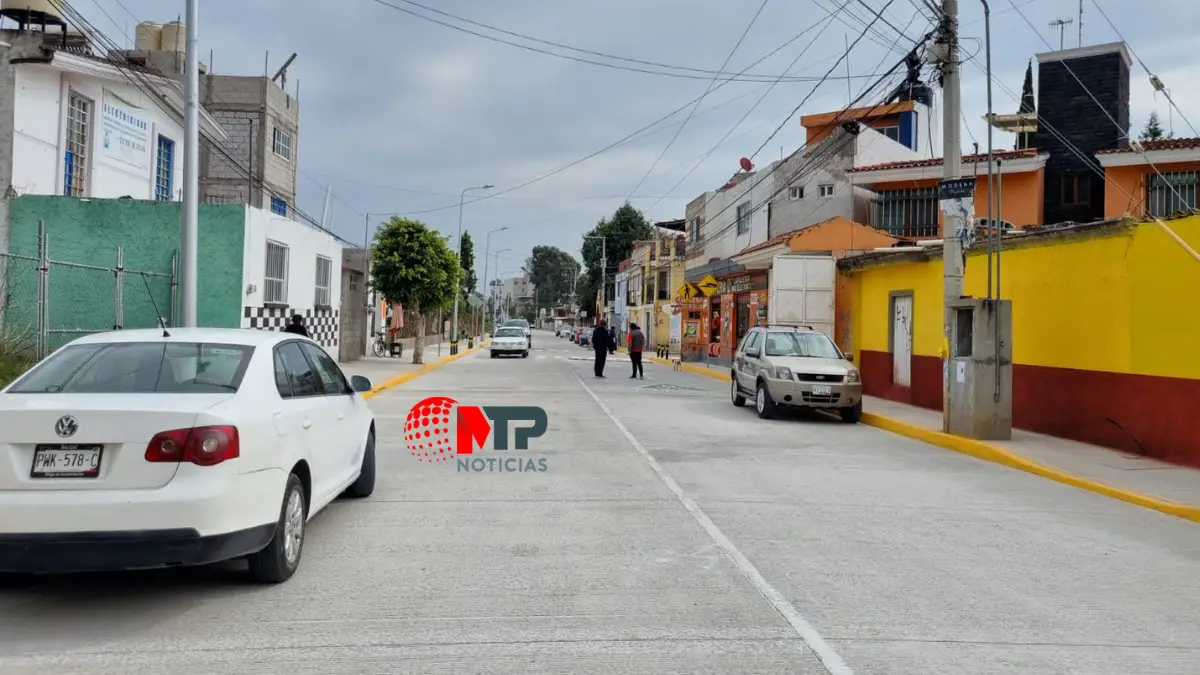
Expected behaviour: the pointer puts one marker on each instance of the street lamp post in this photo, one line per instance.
(487, 245)
(454, 318)
(495, 296)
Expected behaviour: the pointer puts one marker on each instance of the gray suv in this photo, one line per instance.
(796, 367)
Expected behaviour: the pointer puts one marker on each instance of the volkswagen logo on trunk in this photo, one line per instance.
(66, 426)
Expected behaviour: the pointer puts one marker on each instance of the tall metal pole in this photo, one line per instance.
(603, 275)
(987, 47)
(191, 169)
(952, 251)
(487, 246)
(458, 248)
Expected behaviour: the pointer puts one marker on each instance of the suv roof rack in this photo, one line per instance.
(789, 326)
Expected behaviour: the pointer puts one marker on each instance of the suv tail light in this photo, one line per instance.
(202, 446)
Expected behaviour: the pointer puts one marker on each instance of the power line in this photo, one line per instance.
(828, 20)
(702, 97)
(701, 74)
(1153, 78)
(627, 137)
(1099, 105)
(141, 81)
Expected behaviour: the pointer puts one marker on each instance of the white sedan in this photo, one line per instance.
(141, 449)
(510, 340)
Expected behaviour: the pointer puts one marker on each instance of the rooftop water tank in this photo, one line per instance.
(174, 37)
(148, 36)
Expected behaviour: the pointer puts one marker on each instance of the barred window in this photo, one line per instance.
(1171, 192)
(275, 276)
(324, 272)
(907, 213)
(743, 218)
(78, 140)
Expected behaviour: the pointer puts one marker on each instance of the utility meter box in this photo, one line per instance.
(979, 370)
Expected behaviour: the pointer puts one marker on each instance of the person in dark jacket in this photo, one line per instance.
(297, 326)
(637, 342)
(603, 344)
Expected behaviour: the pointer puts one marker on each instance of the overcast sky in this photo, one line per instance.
(399, 114)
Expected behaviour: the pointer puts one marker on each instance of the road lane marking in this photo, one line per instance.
(832, 661)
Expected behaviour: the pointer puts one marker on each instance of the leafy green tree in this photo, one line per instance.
(550, 270)
(1153, 130)
(626, 226)
(412, 265)
(468, 280)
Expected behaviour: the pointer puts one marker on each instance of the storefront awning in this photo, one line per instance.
(717, 268)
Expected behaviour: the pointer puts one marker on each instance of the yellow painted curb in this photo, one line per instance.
(413, 374)
(998, 455)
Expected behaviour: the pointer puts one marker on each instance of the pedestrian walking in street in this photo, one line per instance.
(637, 342)
(297, 326)
(603, 345)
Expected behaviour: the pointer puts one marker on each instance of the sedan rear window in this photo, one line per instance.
(139, 368)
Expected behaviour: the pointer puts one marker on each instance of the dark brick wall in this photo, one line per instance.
(1067, 107)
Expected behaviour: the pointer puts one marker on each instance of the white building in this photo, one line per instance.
(290, 268)
(73, 124)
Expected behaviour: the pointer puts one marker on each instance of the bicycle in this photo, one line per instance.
(381, 348)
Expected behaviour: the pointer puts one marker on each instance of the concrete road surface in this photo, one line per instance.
(670, 533)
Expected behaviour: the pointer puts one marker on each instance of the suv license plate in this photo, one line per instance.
(822, 390)
(66, 461)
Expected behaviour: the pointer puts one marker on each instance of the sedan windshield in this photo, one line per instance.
(139, 368)
(804, 345)
(510, 333)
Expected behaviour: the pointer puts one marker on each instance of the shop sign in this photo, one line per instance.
(740, 284)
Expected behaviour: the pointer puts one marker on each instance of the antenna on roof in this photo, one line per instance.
(162, 323)
(282, 73)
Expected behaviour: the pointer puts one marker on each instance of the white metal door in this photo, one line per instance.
(902, 311)
(802, 290)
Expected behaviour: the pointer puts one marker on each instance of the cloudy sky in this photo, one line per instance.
(399, 114)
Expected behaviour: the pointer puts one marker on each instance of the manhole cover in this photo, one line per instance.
(670, 387)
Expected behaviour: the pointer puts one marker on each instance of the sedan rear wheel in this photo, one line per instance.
(279, 560)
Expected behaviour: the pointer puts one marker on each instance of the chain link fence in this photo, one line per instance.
(47, 303)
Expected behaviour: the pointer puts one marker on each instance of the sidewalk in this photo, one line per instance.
(380, 369)
(1132, 478)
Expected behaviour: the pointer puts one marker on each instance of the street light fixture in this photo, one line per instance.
(454, 319)
(486, 259)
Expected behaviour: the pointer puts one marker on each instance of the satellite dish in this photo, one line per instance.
(747, 165)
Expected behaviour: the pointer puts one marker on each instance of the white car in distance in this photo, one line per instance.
(141, 449)
(510, 340)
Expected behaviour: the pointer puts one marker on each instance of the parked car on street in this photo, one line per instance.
(796, 367)
(140, 449)
(584, 337)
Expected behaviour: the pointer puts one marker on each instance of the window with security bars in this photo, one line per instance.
(743, 218)
(1171, 192)
(275, 275)
(75, 164)
(694, 229)
(164, 169)
(906, 213)
(324, 274)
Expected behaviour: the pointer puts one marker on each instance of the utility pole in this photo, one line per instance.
(458, 290)
(487, 245)
(952, 229)
(603, 275)
(190, 241)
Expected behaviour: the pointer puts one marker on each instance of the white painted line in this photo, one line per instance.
(829, 658)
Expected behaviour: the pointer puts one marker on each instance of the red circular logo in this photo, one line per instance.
(428, 432)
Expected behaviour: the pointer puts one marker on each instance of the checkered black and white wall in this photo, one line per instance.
(322, 324)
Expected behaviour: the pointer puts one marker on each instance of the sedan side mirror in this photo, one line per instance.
(361, 384)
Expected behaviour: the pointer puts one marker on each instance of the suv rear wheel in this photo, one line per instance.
(735, 392)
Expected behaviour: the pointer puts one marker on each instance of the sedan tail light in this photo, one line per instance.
(202, 446)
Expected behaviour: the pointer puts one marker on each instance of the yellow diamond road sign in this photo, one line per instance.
(708, 285)
(687, 292)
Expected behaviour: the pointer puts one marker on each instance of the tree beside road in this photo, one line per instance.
(412, 265)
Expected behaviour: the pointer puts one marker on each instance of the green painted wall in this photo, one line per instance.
(88, 232)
